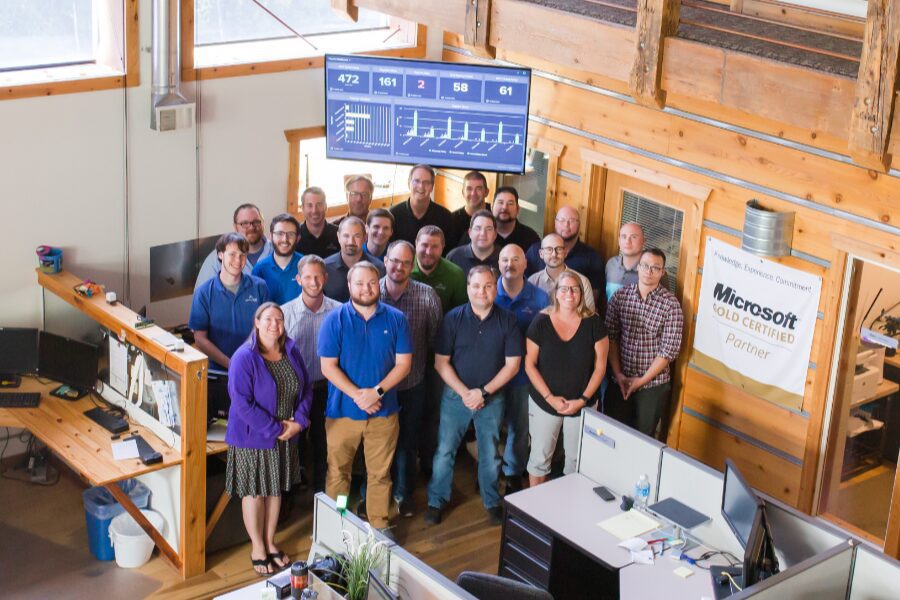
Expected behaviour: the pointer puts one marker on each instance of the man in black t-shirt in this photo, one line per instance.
(474, 191)
(317, 236)
(477, 352)
(420, 210)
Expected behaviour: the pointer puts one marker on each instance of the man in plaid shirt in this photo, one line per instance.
(645, 322)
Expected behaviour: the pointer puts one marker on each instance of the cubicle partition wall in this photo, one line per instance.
(615, 455)
(875, 576)
(700, 487)
(798, 536)
(825, 576)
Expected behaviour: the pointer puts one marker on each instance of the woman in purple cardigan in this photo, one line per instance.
(271, 394)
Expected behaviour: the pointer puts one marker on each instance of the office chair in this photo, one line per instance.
(494, 587)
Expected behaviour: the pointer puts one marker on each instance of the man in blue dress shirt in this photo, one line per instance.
(279, 270)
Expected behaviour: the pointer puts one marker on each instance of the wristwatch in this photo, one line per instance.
(586, 399)
(380, 391)
(484, 392)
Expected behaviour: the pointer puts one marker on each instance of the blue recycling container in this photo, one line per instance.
(99, 509)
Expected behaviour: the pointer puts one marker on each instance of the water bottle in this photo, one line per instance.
(641, 491)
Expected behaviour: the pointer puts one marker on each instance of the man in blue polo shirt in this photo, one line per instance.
(223, 306)
(525, 301)
(477, 352)
(279, 270)
(366, 351)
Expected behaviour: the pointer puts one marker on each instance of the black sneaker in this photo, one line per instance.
(495, 515)
(386, 532)
(433, 515)
(405, 507)
(513, 484)
(361, 510)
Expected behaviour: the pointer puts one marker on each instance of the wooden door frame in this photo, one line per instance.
(847, 251)
(294, 137)
(595, 167)
(554, 151)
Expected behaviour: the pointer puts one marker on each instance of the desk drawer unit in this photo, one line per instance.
(526, 551)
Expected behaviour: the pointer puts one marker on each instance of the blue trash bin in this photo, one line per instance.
(99, 509)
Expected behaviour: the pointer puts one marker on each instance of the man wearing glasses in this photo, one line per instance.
(420, 210)
(359, 190)
(248, 222)
(553, 253)
(279, 269)
(579, 256)
(645, 323)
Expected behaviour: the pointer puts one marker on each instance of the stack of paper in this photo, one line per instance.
(629, 524)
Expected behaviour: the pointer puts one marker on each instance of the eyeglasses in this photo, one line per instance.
(405, 263)
(569, 289)
(284, 234)
(359, 195)
(246, 224)
(650, 268)
(556, 250)
(573, 221)
(268, 320)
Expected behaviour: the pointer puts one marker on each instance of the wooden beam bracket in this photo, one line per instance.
(873, 104)
(477, 30)
(656, 20)
(346, 8)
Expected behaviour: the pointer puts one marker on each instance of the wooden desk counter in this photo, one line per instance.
(81, 443)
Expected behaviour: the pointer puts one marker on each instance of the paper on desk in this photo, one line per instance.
(644, 557)
(629, 524)
(634, 544)
(125, 450)
(640, 553)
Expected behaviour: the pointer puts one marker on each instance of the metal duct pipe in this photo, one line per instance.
(165, 57)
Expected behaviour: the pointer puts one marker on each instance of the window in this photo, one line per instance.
(232, 32)
(662, 229)
(76, 45)
(391, 180)
(532, 188)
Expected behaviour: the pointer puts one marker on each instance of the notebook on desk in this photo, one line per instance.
(632, 523)
(681, 514)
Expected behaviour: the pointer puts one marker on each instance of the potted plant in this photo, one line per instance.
(348, 574)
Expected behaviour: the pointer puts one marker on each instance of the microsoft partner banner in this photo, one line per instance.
(755, 323)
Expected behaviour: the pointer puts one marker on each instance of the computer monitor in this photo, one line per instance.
(18, 351)
(378, 590)
(68, 361)
(745, 513)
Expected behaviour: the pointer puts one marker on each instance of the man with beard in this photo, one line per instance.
(317, 236)
(279, 269)
(509, 229)
(420, 210)
(525, 301)
(443, 276)
(352, 237)
(366, 351)
(553, 253)
(223, 307)
(248, 222)
(480, 250)
(303, 318)
(579, 256)
(422, 308)
(359, 197)
(477, 352)
(474, 191)
(379, 229)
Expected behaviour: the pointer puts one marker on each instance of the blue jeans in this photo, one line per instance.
(412, 412)
(515, 455)
(455, 419)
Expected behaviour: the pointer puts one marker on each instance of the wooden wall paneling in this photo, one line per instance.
(811, 18)
(442, 15)
(562, 37)
(749, 414)
(568, 193)
(763, 470)
(656, 21)
(477, 29)
(593, 202)
(871, 117)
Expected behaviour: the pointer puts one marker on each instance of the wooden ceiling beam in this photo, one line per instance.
(478, 24)
(346, 8)
(873, 105)
(656, 20)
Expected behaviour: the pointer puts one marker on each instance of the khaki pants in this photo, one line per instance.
(380, 437)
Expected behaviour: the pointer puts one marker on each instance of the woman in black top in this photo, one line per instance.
(565, 360)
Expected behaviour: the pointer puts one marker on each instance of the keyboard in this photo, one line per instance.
(107, 420)
(20, 399)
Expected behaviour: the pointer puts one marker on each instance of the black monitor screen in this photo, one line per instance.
(18, 351)
(68, 361)
(739, 504)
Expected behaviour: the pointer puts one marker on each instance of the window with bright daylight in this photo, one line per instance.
(390, 179)
(228, 32)
(53, 40)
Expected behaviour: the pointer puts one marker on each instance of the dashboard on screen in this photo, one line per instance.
(412, 111)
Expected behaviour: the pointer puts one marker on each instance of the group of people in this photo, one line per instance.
(397, 330)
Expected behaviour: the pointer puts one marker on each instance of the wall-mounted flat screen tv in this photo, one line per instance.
(451, 115)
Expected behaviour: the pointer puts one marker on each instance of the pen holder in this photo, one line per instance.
(49, 259)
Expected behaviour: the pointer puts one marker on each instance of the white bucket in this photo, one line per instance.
(132, 545)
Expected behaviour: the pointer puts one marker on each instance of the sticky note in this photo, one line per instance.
(683, 572)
